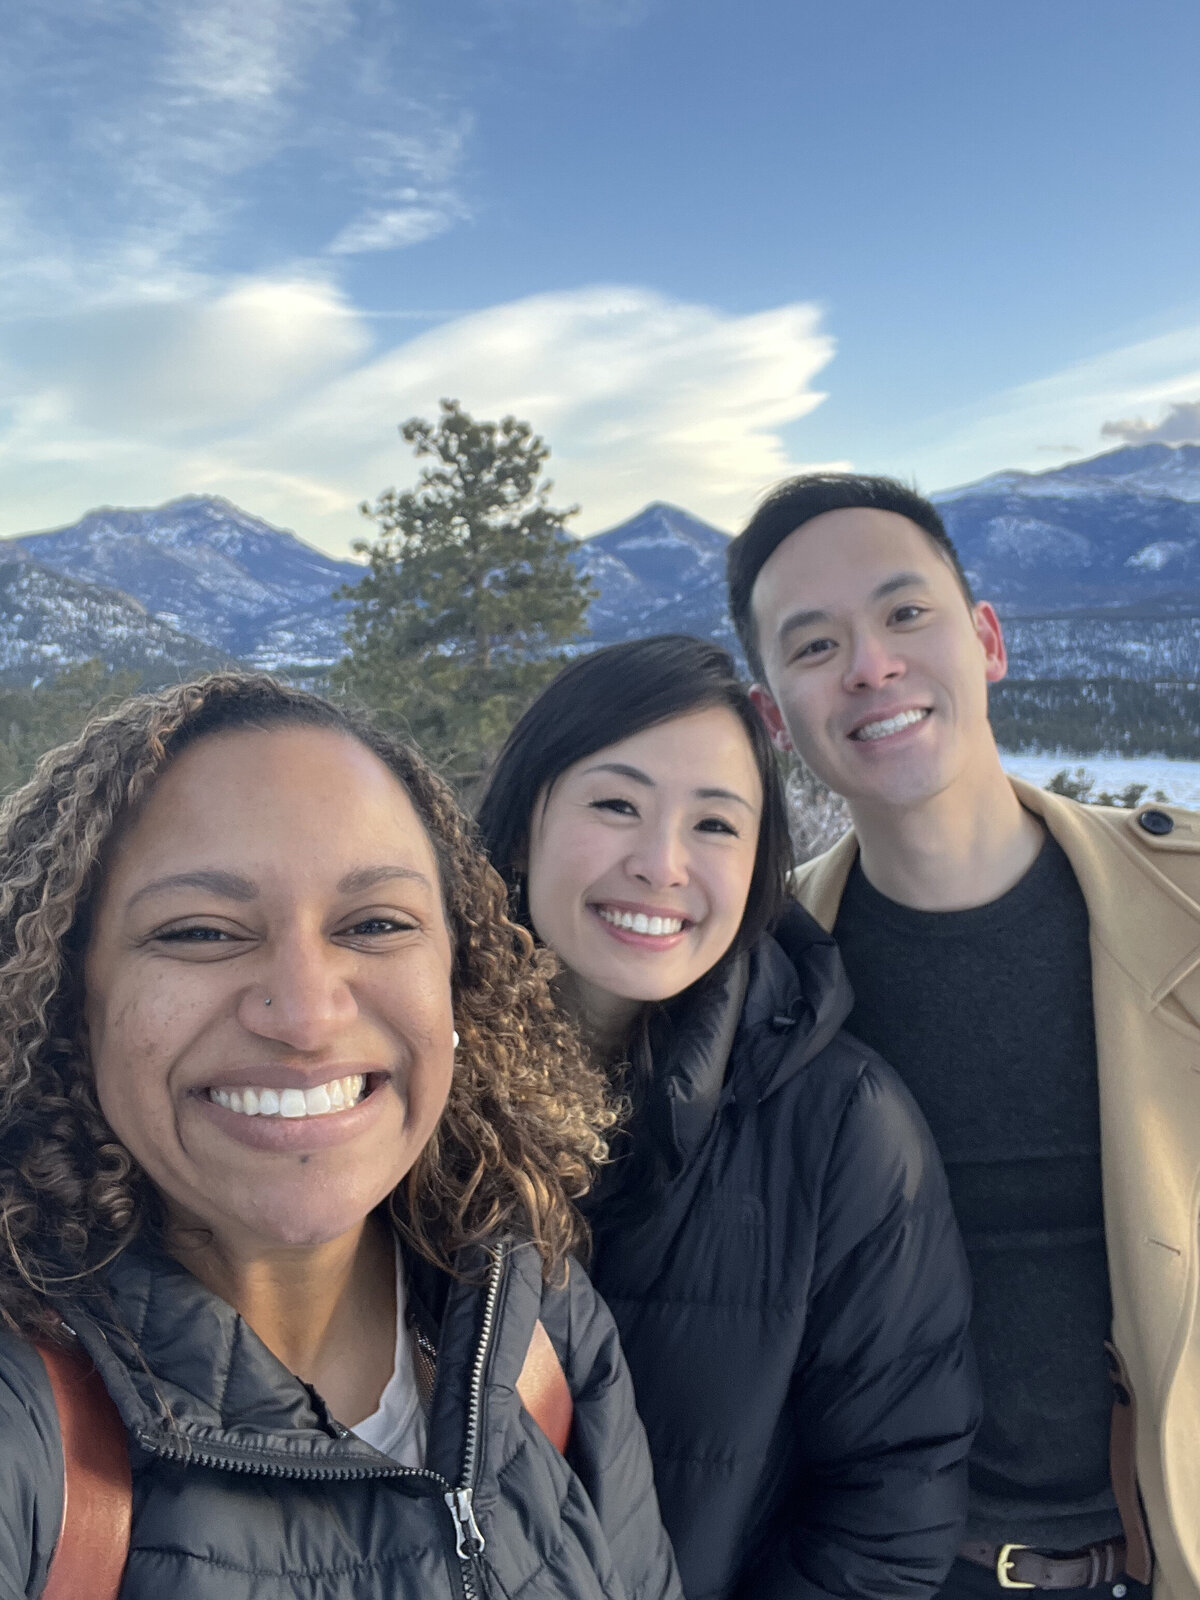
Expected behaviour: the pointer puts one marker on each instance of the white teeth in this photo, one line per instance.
(336, 1095)
(639, 922)
(880, 730)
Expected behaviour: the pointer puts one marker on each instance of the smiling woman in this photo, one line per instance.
(289, 1136)
(774, 1234)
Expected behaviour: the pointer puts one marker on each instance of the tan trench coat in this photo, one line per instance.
(1143, 897)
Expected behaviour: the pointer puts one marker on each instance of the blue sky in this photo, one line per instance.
(700, 244)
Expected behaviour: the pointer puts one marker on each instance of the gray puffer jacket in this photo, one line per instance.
(245, 1488)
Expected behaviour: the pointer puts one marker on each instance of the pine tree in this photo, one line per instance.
(33, 720)
(469, 593)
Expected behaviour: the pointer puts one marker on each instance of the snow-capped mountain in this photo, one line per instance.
(1170, 469)
(663, 571)
(201, 565)
(1120, 531)
(49, 621)
(1095, 567)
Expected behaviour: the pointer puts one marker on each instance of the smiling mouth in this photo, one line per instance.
(339, 1094)
(884, 728)
(639, 922)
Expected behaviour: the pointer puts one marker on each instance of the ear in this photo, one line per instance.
(991, 637)
(764, 704)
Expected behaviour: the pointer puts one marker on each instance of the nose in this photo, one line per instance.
(659, 857)
(872, 663)
(302, 997)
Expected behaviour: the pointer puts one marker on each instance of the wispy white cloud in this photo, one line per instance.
(413, 219)
(136, 136)
(284, 407)
(1017, 427)
(398, 211)
(194, 366)
(226, 51)
(640, 397)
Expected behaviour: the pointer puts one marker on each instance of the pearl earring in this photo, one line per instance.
(454, 1038)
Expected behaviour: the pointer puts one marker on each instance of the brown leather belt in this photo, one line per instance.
(1018, 1567)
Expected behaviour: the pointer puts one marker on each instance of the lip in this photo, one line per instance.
(657, 942)
(294, 1135)
(883, 714)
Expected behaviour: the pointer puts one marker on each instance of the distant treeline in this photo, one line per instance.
(34, 719)
(1092, 715)
(1084, 716)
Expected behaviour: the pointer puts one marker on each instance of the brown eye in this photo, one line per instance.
(813, 649)
(717, 825)
(370, 926)
(623, 808)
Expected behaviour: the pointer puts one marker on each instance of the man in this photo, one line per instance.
(1032, 968)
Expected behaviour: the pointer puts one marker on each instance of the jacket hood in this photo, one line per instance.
(756, 1022)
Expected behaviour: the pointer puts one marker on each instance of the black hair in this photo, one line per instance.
(612, 694)
(798, 500)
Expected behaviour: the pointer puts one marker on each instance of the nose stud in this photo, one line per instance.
(267, 1000)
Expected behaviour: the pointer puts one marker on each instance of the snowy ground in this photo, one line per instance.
(1178, 780)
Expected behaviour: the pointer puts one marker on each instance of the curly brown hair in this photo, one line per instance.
(527, 1114)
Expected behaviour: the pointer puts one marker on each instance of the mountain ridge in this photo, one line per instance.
(205, 567)
(1094, 566)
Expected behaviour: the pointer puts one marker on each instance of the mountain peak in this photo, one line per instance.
(672, 520)
(1155, 468)
(1136, 458)
(210, 569)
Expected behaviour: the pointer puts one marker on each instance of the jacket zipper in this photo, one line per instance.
(468, 1538)
(469, 1541)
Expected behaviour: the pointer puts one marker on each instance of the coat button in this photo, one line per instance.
(1157, 822)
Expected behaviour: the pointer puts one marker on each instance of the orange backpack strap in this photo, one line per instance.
(543, 1389)
(93, 1541)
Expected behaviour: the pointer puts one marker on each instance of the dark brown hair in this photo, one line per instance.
(798, 500)
(527, 1115)
(612, 694)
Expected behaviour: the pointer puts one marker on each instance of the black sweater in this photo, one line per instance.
(987, 1016)
(793, 1301)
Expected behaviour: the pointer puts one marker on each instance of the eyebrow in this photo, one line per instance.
(227, 885)
(636, 775)
(806, 619)
(232, 886)
(367, 877)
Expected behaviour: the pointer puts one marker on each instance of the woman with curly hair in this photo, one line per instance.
(289, 1139)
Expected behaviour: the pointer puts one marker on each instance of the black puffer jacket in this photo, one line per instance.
(793, 1305)
(253, 1492)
